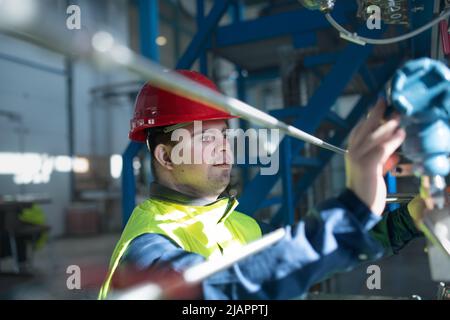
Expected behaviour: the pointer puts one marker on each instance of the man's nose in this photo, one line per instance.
(223, 145)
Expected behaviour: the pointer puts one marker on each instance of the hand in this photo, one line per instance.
(371, 143)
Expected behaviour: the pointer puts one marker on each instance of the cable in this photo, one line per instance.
(354, 37)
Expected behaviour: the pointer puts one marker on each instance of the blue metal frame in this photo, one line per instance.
(349, 61)
(203, 59)
(149, 31)
(304, 40)
(421, 44)
(391, 184)
(321, 59)
(197, 45)
(149, 28)
(382, 76)
(300, 25)
(256, 77)
(286, 178)
(282, 24)
(236, 11)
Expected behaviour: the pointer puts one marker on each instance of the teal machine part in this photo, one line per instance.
(420, 92)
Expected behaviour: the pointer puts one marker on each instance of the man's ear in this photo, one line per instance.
(162, 155)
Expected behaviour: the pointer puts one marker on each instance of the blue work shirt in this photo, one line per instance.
(338, 235)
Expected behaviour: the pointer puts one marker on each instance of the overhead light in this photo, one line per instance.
(36, 168)
(161, 41)
(80, 165)
(102, 41)
(63, 164)
(115, 165)
(17, 12)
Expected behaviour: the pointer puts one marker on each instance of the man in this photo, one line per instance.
(184, 221)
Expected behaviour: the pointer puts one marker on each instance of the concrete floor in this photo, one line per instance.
(49, 267)
(403, 276)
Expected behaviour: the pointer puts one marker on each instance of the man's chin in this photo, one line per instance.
(223, 168)
(221, 184)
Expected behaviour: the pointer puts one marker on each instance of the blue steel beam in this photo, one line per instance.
(391, 185)
(241, 85)
(176, 31)
(149, 31)
(236, 11)
(282, 24)
(321, 59)
(381, 75)
(287, 112)
(330, 58)
(200, 40)
(421, 44)
(300, 161)
(301, 111)
(149, 28)
(203, 59)
(324, 157)
(336, 120)
(320, 103)
(304, 40)
(368, 78)
(270, 202)
(128, 181)
(286, 178)
(350, 61)
(259, 76)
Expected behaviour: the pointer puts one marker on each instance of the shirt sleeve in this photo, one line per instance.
(332, 238)
(395, 230)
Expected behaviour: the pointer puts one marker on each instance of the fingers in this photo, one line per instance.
(367, 125)
(355, 133)
(389, 147)
(377, 137)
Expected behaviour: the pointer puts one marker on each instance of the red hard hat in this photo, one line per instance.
(155, 107)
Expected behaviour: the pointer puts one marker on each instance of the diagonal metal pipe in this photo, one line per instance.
(104, 52)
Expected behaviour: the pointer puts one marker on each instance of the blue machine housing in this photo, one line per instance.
(421, 93)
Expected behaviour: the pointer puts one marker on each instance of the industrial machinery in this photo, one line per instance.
(420, 92)
(391, 12)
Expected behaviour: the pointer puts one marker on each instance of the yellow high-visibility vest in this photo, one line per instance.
(209, 230)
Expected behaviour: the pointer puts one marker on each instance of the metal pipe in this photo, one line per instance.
(201, 271)
(399, 197)
(102, 49)
(204, 270)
